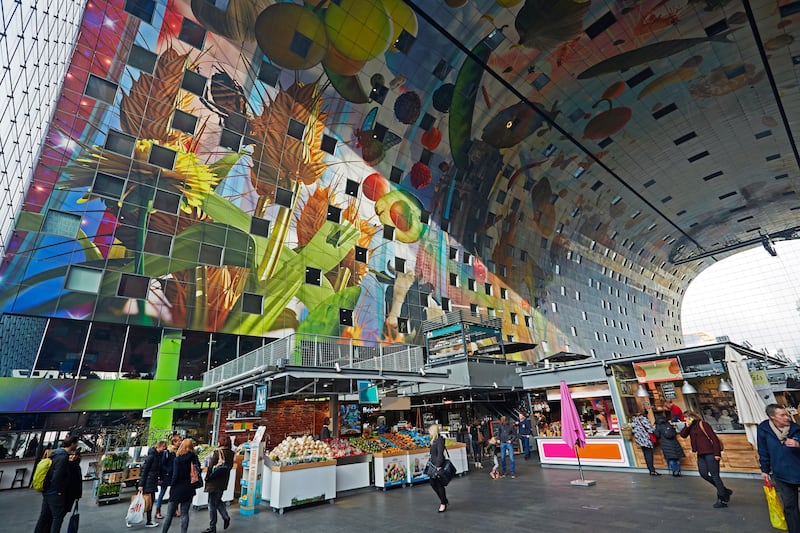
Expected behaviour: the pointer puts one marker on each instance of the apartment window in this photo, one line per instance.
(554, 307)
(132, 286)
(491, 312)
(101, 89)
(584, 315)
(83, 279)
(454, 280)
(120, 143)
(471, 284)
(162, 157)
(563, 291)
(61, 224)
(597, 335)
(252, 304)
(446, 306)
(503, 293)
(514, 319)
(466, 258)
(142, 59)
(473, 308)
(313, 276)
(158, 243)
(183, 121)
(573, 331)
(577, 295)
(453, 254)
(192, 34)
(346, 317)
(166, 201)
(143, 9)
(399, 264)
(487, 288)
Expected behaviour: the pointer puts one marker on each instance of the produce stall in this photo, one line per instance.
(108, 484)
(417, 459)
(303, 471)
(352, 465)
(391, 468)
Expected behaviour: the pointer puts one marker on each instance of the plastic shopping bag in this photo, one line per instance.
(136, 510)
(776, 516)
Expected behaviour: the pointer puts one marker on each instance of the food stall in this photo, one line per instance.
(352, 465)
(302, 471)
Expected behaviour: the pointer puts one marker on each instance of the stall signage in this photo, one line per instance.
(261, 398)
(759, 378)
(661, 370)
(669, 391)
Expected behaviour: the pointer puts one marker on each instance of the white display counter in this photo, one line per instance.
(352, 472)
(201, 497)
(300, 484)
(417, 459)
(391, 469)
(458, 456)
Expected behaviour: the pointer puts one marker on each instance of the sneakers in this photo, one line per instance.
(720, 504)
(513, 476)
(128, 525)
(151, 524)
(226, 522)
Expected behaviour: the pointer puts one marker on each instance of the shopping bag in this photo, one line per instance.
(194, 476)
(74, 520)
(136, 510)
(776, 516)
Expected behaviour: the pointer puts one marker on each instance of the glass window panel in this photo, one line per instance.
(252, 303)
(143, 59)
(61, 349)
(83, 279)
(248, 344)
(166, 201)
(141, 353)
(162, 157)
(20, 337)
(132, 286)
(194, 354)
(120, 143)
(61, 223)
(192, 33)
(108, 185)
(101, 89)
(183, 121)
(223, 349)
(143, 9)
(103, 351)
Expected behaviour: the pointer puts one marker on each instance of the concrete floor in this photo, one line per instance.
(539, 499)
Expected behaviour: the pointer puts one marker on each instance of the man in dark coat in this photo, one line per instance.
(506, 434)
(148, 480)
(55, 493)
(216, 483)
(779, 454)
(670, 447)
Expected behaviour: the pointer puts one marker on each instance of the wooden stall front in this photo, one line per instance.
(738, 455)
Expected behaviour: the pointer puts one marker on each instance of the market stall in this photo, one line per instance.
(352, 465)
(302, 471)
(599, 451)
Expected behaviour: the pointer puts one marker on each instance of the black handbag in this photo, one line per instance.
(221, 470)
(431, 470)
(74, 520)
(445, 474)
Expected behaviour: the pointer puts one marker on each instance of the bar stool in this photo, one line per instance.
(19, 477)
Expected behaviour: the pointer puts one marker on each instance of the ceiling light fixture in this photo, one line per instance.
(688, 388)
(642, 392)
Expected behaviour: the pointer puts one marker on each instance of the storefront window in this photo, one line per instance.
(62, 347)
(103, 351)
(194, 354)
(248, 344)
(141, 353)
(223, 349)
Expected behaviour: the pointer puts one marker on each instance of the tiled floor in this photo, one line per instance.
(539, 499)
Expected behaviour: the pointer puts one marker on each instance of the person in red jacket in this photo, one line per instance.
(708, 447)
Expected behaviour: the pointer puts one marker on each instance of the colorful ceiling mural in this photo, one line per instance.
(354, 167)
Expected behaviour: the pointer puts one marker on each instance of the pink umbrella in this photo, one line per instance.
(572, 430)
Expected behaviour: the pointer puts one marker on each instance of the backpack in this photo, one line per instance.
(40, 474)
(669, 432)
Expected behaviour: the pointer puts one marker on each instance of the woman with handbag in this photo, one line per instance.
(708, 448)
(186, 478)
(219, 472)
(148, 482)
(643, 434)
(437, 460)
(477, 443)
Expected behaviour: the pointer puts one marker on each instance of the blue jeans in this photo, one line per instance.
(174, 506)
(51, 516)
(526, 445)
(216, 505)
(160, 497)
(674, 465)
(507, 447)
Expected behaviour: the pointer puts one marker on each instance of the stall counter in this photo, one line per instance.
(599, 451)
(738, 455)
(302, 483)
(352, 472)
(458, 456)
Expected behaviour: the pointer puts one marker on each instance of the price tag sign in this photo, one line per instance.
(669, 391)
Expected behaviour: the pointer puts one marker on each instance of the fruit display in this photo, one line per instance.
(420, 439)
(300, 450)
(343, 448)
(400, 440)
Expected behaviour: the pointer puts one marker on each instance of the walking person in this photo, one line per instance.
(182, 486)
(779, 455)
(325, 433)
(477, 443)
(437, 460)
(216, 483)
(167, 461)
(149, 477)
(642, 431)
(670, 447)
(74, 489)
(507, 435)
(55, 493)
(525, 433)
(708, 448)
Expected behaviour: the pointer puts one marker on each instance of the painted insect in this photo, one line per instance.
(374, 139)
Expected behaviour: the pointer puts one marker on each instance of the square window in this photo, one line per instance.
(300, 44)
(396, 175)
(425, 217)
(379, 132)
(259, 226)
(284, 197)
(166, 201)
(210, 254)
(454, 279)
(402, 325)
(192, 33)
(388, 233)
(252, 304)
(61, 224)
(120, 143)
(427, 121)
(142, 9)
(361, 254)
(236, 122)
(328, 144)
(404, 42)
(425, 157)
(351, 189)
(183, 121)
(471, 284)
(296, 129)
(133, 286)
(334, 214)
(142, 59)
(101, 89)
(162, 157)
(193, 82)
(313, 276)
(345, 317)
(442, 69)
(378, 93)
(473, 308)
(399, 264)
(446, 307)
(158, 243)
(108, 186)
(230, 139)
(83, 279)
(269, 74)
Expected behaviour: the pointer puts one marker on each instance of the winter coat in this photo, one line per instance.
(56, 480)
(777, 458)
(506, 433)
(181, 489)
(74, 487)
(151, 472)
(668, 439)
(437, 452)
(704, 440)
(167, 462)
(641, 432)
(219, 483)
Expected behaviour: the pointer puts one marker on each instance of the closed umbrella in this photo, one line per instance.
(749, 404)
(572, 430)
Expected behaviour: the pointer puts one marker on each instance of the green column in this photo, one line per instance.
(167, 367)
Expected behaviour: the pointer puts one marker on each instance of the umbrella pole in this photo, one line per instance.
(578, 457)
(582, 482)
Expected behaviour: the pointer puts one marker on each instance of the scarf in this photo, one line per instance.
(782, 434)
